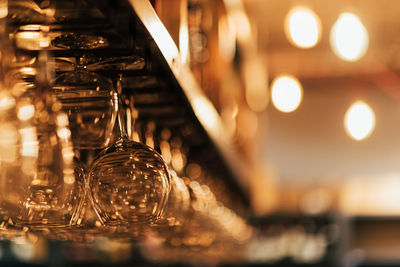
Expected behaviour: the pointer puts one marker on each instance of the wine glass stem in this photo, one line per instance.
(121, 114)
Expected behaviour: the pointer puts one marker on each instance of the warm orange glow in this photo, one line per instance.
(359, 121)
(349, 38)
(62, 120)
(26, 112)
(206, 112)
(316, 201)
(256, 84)
(287, 93)
(242, 24)
(247, 123)
(28, 71)
(28, 40)
(371, 196)
(30, 145)
(8, 142)
(64, 133)
(303, 27)
(184, 36)
(3, 9)
(6, 102)
(226, 37)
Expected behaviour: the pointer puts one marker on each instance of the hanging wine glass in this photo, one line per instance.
(80, 41)
(42, 186)
(90, 101)
(55, 195)
(129, 182)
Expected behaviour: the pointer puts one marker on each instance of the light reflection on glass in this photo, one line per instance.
(29, 142)
(206, 113)
(6, 102)
(226, 36)
(349, 38)
(26, 112)
(242, 24)
(8, 142)
(3, 9)
(165, 146)
(29, 40)
(64, 133)
(28, 71)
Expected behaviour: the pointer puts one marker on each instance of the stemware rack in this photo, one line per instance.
(164, 92)
(127, 38)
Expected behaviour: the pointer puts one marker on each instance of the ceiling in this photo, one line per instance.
(311, 142)
(379, 17)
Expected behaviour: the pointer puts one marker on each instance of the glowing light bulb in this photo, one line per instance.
(359, 121)
(302, 27)
(349, 38)
(287, 93)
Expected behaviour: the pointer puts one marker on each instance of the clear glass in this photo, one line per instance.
(91, 103)
(80, 41)
(129, 182)
(42, 188)
(133, 62)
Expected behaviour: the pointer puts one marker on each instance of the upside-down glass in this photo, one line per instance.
(42, 187)
(129, 182)
(90, 101)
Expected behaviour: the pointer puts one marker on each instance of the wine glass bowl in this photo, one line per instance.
(79, 41)
(42, 185)
(91, 104)
(49, 203)
(129, 184)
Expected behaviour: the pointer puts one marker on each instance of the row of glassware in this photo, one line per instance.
(129, 190)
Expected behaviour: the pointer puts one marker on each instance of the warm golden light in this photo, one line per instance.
(205, 111)
(287, 93)
(28, 39)
(256, 84)
(26, 112)
(29, 140)
(359, 120)
(8, 142)
(349, 38)
(302, 27)
(247, 123)
(377, 196)
(184, 34)
(64, 133)
(3, 9)
(242, 24)
(6, 102)
(62, 120)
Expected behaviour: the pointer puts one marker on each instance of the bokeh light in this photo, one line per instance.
(349, 37)
(302, 27)
(286, 93)
(359, 120)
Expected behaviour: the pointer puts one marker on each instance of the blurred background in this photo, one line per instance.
(309, 92)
